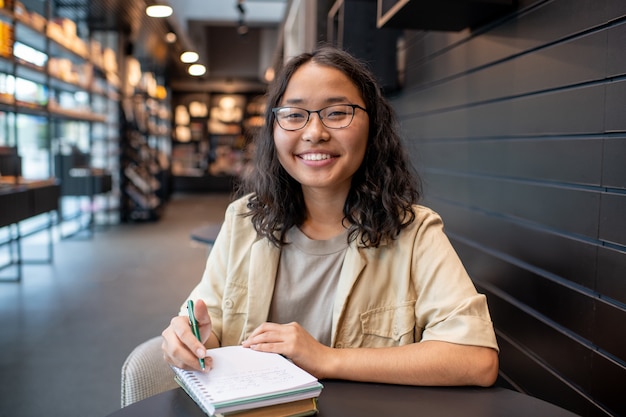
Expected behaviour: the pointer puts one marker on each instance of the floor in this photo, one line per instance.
(66, 329)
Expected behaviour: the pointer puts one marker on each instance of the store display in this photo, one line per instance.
(56, 92)
(212, 138)
(146, 136)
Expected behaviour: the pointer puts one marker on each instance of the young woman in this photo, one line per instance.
(327, 258)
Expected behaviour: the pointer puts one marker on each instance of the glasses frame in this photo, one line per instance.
(308, 116)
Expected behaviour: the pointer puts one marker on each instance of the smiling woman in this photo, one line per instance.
(326, 257)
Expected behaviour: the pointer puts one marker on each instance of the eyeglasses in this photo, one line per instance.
(337, 116)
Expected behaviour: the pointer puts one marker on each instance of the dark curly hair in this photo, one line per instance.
(383, 189)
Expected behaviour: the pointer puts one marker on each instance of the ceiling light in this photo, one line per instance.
(242, 29)
(170, 37)
(196, 70)
(189, 56)
(159, 10)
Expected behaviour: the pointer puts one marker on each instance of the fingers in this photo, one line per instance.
(180, 347)
(276, 338)
(185, 335)
(175, 352)
(201, 312)
(265, 333)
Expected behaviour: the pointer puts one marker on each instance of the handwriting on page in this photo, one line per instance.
(243, 382)
(239, 372)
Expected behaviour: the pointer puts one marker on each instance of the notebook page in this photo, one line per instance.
(239, 373)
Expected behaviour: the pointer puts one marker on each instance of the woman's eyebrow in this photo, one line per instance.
(294, 101)
(341, 99)
(329, 100)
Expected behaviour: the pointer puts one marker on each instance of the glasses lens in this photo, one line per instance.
(337, 117)
(291, 118)
(334, 117)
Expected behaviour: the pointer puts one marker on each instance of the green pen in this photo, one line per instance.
(194, 327)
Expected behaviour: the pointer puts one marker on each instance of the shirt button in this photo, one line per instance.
(228, 303)
(339, 345)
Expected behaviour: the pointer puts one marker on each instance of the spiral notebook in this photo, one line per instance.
(244, 379)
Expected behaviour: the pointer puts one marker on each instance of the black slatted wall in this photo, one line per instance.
(519, 132)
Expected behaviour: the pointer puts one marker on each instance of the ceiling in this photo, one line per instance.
(234, 38)
(226, 12)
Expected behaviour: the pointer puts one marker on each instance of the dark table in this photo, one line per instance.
(206, 234)
(353, 399)
(21, 199)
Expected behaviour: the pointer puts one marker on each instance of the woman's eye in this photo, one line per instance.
(336, 114)
(291, 115)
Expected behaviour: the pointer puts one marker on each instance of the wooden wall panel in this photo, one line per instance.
(615, 9)
(518, 132)
(535, 28)
(614, 166)
(523, 369)
(573, 62)
(613, 218)
(493, 233)
(616, 53)
(571, 111)
(616, 106)
(563, 112)
(611, 274)
(532, 159)
(522, 360)
(561, 208)
(610, 317)
(565, 308)
(534, 350)
(606, 385)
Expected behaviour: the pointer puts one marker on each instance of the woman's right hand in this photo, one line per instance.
(180, 347)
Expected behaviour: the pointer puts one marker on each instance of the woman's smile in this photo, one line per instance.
(314, 156)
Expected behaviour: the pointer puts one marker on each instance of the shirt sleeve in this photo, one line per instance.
(448, 307)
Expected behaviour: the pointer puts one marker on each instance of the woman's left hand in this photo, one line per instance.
(292, 341)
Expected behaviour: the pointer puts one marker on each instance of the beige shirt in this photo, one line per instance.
(412, 289)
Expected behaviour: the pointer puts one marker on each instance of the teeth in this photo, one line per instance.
(315, 156)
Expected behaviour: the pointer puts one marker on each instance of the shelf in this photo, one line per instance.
(74, 74)
(440, 15)
(62, 91)
(38, 31)
(32, 67)
(145, 155)
(78, 115)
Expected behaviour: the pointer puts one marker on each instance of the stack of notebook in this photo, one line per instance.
(246, 383)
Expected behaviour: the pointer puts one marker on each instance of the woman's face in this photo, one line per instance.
(318, 157)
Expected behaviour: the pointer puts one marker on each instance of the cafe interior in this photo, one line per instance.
(123, 136)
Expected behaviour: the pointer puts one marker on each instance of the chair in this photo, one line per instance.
(145, 373)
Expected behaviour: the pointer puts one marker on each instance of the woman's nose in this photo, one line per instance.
(314, 130)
